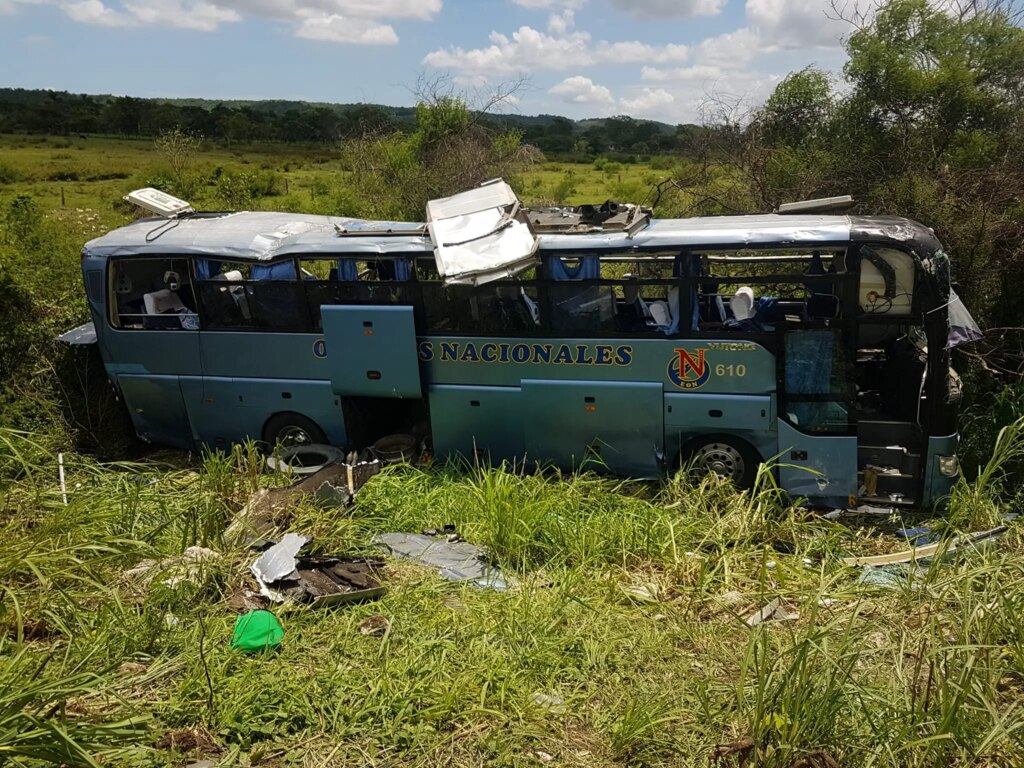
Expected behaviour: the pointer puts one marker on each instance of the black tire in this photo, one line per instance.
(290, 430)
(725, 455)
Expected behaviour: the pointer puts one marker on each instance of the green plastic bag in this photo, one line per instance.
(256, 631)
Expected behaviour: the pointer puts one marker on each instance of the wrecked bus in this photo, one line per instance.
(820, 343)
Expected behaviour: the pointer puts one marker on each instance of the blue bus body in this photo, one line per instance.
(362, 353)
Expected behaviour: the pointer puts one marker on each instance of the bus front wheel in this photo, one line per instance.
(723, 455)
(292, 430)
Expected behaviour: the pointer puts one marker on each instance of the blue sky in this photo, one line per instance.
(581, 58)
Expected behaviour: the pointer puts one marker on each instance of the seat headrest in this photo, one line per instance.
(742, 303)
(159, 302)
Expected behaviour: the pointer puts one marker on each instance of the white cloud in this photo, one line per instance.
(783, 24)
(560, 23)
(342, 29)
(551, 5)
(199, 16)
(581, 90)
(341, 21)
(680, 74)
(655, 9)
(648, 100)
(95, 12)
(530, 50)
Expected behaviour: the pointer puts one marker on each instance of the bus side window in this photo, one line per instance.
(222, 291)
(152, 294)
(752, 290)
(352, 279)
(576, 303)
(506, 307)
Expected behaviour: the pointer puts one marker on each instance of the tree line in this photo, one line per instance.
(62, 113)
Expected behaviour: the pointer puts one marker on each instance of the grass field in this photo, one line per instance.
(623, 640)
(95, 172)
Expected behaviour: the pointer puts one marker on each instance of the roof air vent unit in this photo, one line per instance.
(160, 203)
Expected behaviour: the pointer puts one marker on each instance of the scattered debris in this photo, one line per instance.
(332, 486)
(330, 495)
(284, 576)
(257, 631)
(773, 610)
(244, 600)
(187, 740)
(375, 626)
(551, 702)
(869, 509)
(396, 449)
(741, 748)
(457, 560)
(644, 593)
(278, 562)
(926, 552)
(816, 760)
(131, 668)
(544, 757)
(918, 536)
(175, 570)
(899, 576)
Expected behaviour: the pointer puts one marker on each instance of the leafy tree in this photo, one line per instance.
(452, 149)
(179, 149)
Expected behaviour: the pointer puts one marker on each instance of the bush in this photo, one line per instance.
(8, 175)
(23, 221)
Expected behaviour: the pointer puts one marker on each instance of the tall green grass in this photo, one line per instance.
(623, 640)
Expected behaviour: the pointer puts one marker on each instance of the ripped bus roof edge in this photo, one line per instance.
(264, 236)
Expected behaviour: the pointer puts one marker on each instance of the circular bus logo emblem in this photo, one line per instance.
(689, 370)
(320, 348)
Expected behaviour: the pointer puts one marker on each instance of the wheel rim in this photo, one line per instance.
(294, 437)
(720, 459)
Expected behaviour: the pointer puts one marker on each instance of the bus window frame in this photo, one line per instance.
(113, 315)
(303, 309)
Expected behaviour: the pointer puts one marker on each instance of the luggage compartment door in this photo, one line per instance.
(371, 351)
(614, 424)
(157, 408)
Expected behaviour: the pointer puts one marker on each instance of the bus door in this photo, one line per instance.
(817, 436)
(371, 351)
(618, 425)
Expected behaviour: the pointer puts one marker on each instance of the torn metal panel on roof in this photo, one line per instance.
(480, 236)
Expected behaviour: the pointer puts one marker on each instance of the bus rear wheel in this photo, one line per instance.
(728, 457)
(292, 430)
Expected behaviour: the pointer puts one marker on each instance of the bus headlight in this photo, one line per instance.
(949, 466)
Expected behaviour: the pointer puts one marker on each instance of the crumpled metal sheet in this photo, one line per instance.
(456, 560)
(278, 562)
(83, 335)
(477, 237)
